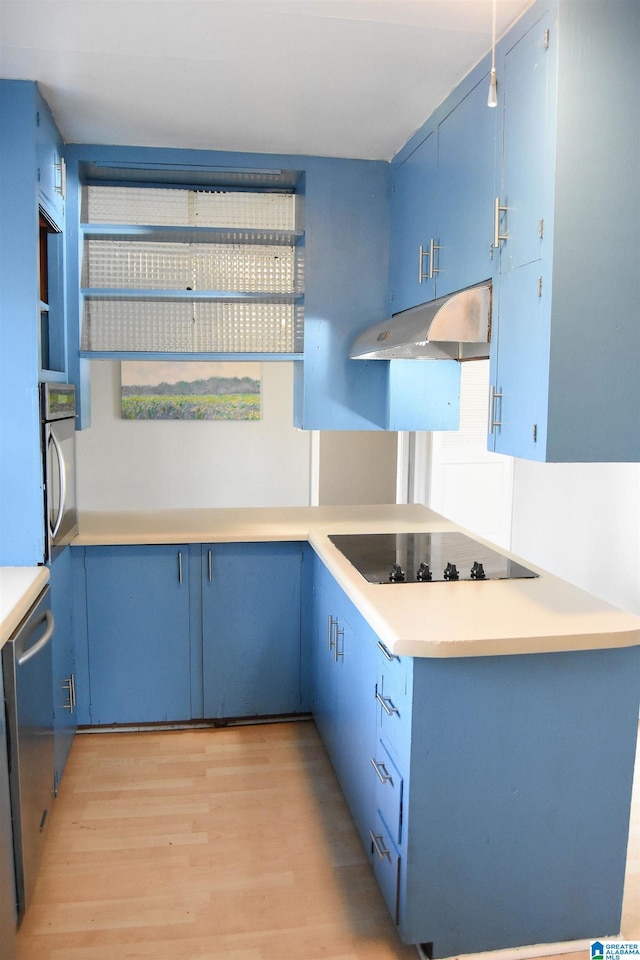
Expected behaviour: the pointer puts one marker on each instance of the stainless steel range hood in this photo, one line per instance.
(455, 327)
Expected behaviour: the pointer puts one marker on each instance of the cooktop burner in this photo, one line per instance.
(425, 558)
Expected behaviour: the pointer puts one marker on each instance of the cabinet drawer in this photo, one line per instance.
(386, 866)
(394, 667)
(394, 711)
(388, 791)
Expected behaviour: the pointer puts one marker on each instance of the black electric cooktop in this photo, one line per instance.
(425, 558)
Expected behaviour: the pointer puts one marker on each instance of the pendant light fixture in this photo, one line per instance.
(492, 99)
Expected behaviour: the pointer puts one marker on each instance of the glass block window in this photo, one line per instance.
(191, 271)
(130, 326)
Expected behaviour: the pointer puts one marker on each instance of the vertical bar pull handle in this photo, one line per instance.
(497, 210)
(432, 246)
(330, 637)
(337, 652)
(210, 565)
(422, 275)
(61, 175)
(62, 484)
(493, 396)
(179, 566)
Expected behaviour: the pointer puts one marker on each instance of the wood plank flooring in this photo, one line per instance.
(225, 844)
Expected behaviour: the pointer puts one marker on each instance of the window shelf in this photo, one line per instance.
(171, 296)
(186, 355)
(179, 234)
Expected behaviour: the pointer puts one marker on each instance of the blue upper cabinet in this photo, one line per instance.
(441, 220)
(51, 170)
(566, 358)
(466, 160)
(414, 225)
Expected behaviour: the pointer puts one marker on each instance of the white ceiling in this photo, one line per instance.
(349, 78)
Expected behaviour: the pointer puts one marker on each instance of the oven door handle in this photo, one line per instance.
(42, 642)
(62, 475)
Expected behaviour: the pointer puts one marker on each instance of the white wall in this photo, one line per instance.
(581, 521)
(154, 465)
(357, 467)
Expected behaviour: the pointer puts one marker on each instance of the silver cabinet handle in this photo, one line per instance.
(62, 479)
(422, 253)
(493, 396)
(210, 565)
(179, 566)
(61, 170)
(42, 642)
(385, 652)
(432, 246)
(337, 652)
(333, 632)
(379, 845)
(70, 686)
(387, 705)
(330, 637)
(497, 210)
(383, 775)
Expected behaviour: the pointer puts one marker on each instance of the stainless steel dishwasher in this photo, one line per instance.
(28, 687)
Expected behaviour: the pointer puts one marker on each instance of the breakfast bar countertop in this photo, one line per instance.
(500, 617)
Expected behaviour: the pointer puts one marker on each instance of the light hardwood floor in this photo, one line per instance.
(226, 844)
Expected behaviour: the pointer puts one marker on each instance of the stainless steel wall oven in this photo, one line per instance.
(58, 414)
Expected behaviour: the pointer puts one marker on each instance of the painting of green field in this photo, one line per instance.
(190, 390)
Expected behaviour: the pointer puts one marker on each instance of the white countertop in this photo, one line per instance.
(20, 587)
(423, 620)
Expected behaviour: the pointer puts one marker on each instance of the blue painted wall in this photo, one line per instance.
(21, 503)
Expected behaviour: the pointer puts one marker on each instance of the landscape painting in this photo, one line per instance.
(190, 390)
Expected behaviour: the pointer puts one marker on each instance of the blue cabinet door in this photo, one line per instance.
(466, 164)
(413, 226)
(344, 705)
(526, 144)
(521, 368)
(138, 633)
(325, 672)
(50, 164)
(65, 717)
(357, 718)
(251, 609)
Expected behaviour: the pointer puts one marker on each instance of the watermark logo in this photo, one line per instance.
(615, 949)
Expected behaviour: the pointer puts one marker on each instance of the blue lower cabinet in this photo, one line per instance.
(343, 684)
(499, 793)
(65, 715)
(516, 801)
(138, 629)
(388, 790)
(251, 610)
(386, 866)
